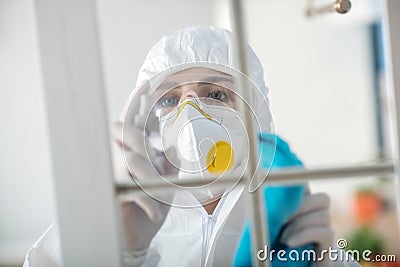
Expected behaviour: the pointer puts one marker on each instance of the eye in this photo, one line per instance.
(218, 95)
(167, 101)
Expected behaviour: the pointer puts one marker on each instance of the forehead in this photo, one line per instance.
(197, 74)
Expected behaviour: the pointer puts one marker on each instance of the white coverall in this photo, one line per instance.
(188, 237)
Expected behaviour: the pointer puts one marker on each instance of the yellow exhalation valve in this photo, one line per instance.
(220, 158)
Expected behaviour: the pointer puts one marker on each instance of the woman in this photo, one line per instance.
(186, 93)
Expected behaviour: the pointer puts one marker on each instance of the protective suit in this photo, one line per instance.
(191, 237)
(187, 235)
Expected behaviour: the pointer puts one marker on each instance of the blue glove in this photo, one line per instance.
(282, 201)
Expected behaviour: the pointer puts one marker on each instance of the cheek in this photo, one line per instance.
(167, 110)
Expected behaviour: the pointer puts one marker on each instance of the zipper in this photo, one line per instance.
(208, 227)
(208, 221)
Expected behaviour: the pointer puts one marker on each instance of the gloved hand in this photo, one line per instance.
(310, 225)
(142, 214)
(282, 201)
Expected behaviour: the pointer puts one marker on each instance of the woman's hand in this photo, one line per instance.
(142, 215)
(310, 225)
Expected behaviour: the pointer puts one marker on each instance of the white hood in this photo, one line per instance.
(207, 47)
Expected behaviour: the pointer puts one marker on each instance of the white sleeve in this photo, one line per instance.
(135, 257)
(46, 252)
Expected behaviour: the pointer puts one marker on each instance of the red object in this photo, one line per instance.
(367, 207)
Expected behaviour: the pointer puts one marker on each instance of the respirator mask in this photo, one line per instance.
(210, 141)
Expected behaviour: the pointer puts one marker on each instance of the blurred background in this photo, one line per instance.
(327, 93)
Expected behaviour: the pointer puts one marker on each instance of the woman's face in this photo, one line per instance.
(207, 84)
